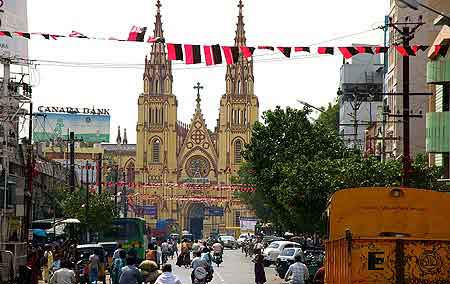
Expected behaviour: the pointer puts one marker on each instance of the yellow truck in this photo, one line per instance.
(389, 236)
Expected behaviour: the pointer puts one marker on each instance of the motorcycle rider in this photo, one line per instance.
(298, 271)
(217, 252)
(199, 262)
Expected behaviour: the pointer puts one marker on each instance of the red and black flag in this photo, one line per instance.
(192, 53)
(155, 40)
(266, 47)
(247, 51)
(286, 51)
(137, 33)
(381, 49)
(77, 34)
(405, 50)
(25, 35)
(441, 50)
(5, 33)
(213, 54)
(174, 51)
(416, 48)
(231, 54)
(348, 52)
(302, 49)
(364, 49)
(326, 50)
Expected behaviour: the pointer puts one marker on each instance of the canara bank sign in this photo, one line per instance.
(74, 110)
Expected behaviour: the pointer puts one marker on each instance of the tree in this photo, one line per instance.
(330, 117)
(101, 209)
(296, 164)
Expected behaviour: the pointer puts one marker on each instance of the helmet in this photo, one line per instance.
(200, 273)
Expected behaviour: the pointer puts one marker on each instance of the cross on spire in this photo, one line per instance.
(158, 5)
(240, 5)
(198, 87)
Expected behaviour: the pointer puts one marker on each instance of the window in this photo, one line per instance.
(239, 88)
(156, 87)
(237, 152)
(237, 219)
(155, 151)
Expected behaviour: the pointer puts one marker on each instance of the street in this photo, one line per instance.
(236, 269)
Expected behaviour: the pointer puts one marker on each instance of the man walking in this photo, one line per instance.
(298, 271)
(167, 277)
(64, 275)
(130, 274)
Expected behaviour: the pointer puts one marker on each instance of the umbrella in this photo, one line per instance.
(40, 233)
(70, 221)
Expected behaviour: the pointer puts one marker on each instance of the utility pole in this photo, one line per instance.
(29, 200)
(407, 34)
(87, 202)
(72, 161)
(99, 172)
(6, 75)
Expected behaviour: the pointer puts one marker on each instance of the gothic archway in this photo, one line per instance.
(195, 219)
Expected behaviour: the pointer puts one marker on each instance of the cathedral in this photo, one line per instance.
(189, 165)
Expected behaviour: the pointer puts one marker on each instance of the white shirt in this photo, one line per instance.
(63, 276)
(167, 278)
(299, 273)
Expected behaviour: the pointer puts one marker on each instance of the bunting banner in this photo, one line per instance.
(217, 54)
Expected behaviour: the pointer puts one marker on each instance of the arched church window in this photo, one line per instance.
(237, 152)
(130, 172)
(156, 87)
(239, 88)
(156, 149)
(146, 85)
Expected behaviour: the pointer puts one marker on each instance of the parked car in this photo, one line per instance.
(267, 240)
(228, 242)
(272, 252)
(82, 270)
(241, 239)
(286, 258)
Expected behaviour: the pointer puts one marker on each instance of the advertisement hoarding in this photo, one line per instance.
(248, 224)
(55, 126)
(13, 17)
(214, 211)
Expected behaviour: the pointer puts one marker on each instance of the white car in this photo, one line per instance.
(272, 252)
(242, 238)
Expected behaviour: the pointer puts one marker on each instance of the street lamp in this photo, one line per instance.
(310, 106)
(415, 4)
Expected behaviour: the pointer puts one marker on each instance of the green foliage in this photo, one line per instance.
(330, 117)
(297, 164)
(101, 209)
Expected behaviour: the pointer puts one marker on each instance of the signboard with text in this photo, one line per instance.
(214, 211)
(248, 224)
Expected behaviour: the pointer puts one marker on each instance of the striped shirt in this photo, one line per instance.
(299, 273)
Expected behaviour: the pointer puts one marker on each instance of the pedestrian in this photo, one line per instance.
(34, 264)
(116, 252)
(64, 275)
(47, 263)
(133, 252)
(175, 248)
(149, 271)
(298, 271)
(116, 268)
(195, 246)
(151, 253)
(167, 277)
(164, 252)
(319, 277)
(130, 274)
(94, 267)
(260, 274)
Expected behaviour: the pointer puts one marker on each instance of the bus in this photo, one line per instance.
(388, 235)
(129, 232)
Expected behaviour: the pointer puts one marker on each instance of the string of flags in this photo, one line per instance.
(217, 54)
(183, 186)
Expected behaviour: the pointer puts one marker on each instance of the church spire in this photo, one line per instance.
(125, 139)
(118, 138)
(240, 39)
(158, 70)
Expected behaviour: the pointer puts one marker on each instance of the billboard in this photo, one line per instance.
(53, 127)
(13, 17)
(248, 224)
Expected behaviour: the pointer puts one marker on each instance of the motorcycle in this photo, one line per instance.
(202, 275)
(217, 258)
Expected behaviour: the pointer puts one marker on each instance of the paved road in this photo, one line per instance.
(236, 269)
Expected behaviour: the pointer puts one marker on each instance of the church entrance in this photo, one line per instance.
(195, 220)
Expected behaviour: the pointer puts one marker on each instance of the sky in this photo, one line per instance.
(278, 81)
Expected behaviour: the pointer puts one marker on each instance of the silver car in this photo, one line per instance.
(228, 242)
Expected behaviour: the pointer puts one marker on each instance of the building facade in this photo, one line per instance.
(361, 80)
(178, 157)
(394, 77)
(438, 116)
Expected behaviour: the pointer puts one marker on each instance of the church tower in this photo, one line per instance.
(238, 109)
(157, 116)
